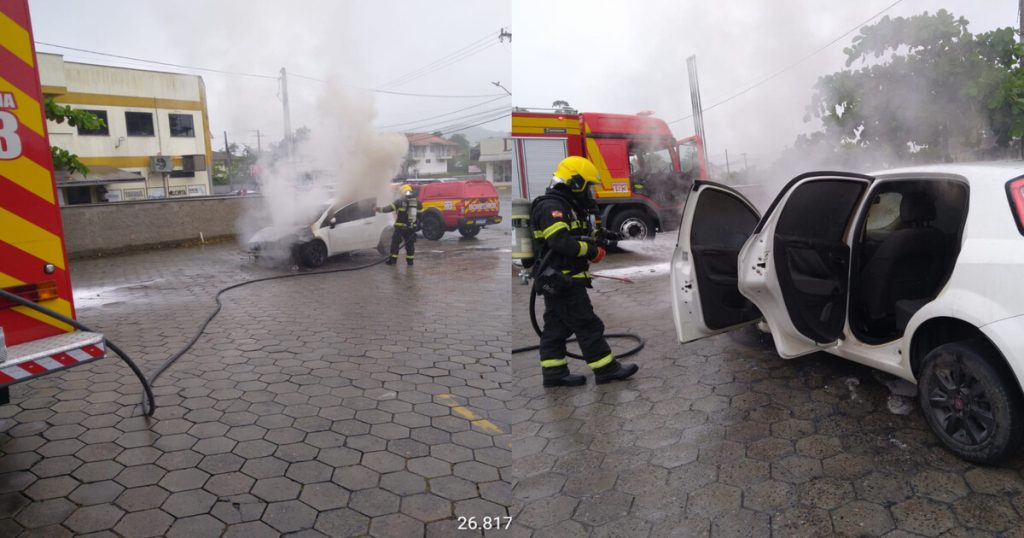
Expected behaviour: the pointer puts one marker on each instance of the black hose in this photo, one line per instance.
(148, 406)
(536, 326)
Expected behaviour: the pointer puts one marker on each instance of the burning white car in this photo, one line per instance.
(336, 228)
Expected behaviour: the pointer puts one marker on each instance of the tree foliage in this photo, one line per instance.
(62, 158)
(926, 89)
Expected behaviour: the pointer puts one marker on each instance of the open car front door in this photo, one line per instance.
(796, 267)
(706, 301)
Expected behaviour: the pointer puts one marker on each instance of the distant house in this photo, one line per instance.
(496, 157)
(428, 154)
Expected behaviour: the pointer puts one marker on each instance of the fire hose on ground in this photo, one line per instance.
(536, 326)
(149, 404)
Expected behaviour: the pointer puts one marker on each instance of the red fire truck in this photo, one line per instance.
(645, 172)
(33, 264)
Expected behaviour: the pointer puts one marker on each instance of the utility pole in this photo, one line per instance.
(227, 153)
(698, 109)
(287, 112)
(259, 146)
(727, 171)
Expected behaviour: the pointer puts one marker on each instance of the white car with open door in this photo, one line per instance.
(918, 272)
(338, 227)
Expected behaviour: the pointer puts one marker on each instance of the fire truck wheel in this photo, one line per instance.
(634, 224)
(313, 254)
(469, 231)
(432, 227)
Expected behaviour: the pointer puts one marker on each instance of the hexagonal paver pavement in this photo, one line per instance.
(721, 437)
(322, 405)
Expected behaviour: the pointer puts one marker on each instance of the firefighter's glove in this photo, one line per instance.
(599, 256)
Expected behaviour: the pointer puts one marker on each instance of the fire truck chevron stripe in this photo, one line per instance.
(15, 38)
(23, 76)
(27, 205)
(58, 305)
(28, 112)
(30, 175)
(33, 239)
(57, 361)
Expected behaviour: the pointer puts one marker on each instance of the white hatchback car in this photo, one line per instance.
(337, 228)
(918, 272)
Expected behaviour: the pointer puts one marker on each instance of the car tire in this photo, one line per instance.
(469, 231)
(634, 224)
(384, 245)
(432, 227)
(313, 254)
(970, 403)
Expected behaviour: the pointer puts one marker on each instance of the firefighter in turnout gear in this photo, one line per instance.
(562, 228)
(406, 208)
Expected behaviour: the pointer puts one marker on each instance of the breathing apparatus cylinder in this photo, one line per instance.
(522, 232)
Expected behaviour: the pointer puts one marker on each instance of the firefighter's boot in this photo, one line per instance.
(614, 371)
(408, 261)
(559, 376)
(392, 260)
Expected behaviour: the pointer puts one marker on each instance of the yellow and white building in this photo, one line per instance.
(156, 143)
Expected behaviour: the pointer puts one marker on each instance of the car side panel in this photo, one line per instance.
(1008, 336)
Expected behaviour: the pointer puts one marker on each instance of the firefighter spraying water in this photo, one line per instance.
(406, 208)
(565, 239)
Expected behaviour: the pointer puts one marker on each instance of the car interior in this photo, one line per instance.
(909, 239)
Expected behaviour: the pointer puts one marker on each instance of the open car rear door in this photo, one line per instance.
(796, 267)
(705, 299)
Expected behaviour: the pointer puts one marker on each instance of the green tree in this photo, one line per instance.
(461, 161)
(62, 158)
(926, 90)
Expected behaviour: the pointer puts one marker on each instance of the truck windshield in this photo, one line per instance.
(653, 172)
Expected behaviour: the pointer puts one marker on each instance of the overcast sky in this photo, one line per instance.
(616, 56)
(365, 44)
(608, 56)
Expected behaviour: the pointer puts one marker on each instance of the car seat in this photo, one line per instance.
(905, 271)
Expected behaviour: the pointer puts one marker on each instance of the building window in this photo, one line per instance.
(508, 144)
(182, 173)
(139, 123)
(181, 125)
(428, 161)
(102, 131)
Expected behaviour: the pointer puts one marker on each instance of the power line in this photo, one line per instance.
(453, 122)
(258, 75)
(180, 66)
(447, 64)
(792, 65)
(435, 62)
(505, 115)
(421, 120)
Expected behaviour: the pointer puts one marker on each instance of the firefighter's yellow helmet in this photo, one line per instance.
(577, 172)
(406, 189)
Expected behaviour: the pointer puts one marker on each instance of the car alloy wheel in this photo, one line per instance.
(968, 403)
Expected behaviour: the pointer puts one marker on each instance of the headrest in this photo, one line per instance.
(917, 207)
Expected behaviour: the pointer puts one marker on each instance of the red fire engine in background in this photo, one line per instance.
(645, 172)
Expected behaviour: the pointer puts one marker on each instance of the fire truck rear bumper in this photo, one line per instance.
(479, 221)
(47, 355)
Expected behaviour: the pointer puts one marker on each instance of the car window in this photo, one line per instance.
(884, 211)
(819, 210)
(363, 209)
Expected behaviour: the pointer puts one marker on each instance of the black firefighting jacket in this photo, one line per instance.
(559, 224)
(403, 207)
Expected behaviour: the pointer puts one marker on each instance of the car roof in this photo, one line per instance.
(1001, 171)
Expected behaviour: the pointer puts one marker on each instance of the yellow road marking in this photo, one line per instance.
(469, 415)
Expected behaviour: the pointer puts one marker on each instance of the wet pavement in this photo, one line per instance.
(366, 402)
(722, 437)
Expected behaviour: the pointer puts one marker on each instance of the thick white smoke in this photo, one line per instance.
(342, 158)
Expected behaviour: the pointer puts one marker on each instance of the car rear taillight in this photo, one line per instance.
(1015, 192)
(37, 293)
